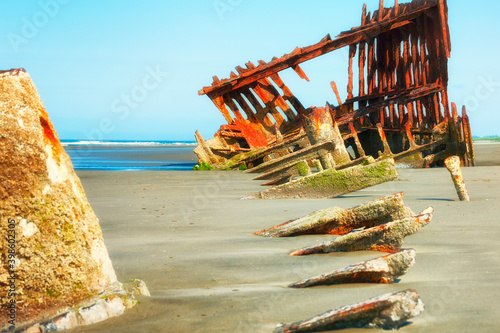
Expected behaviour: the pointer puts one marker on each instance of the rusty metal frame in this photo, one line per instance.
(399, 108)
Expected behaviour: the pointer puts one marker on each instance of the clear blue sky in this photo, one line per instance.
(86, 57)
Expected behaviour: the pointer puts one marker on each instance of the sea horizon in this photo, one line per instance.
(131, 155)
(77, 142)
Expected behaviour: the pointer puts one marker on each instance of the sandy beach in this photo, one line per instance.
(189, 237)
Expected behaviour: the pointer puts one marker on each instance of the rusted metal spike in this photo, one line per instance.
(384, 269)
(361, 68)
(338, 221)
(381, 10)
(363, 15)
(454, 112)
(468, 136)
(336, 92)
(216, 80)
(240, 70)
(352, 53)
(386, 237)
(409, 135)
(354, 134)
(300, 72)
(444, 27)
(326, 38)
(388, 311)
(387, 149)
(453, 165)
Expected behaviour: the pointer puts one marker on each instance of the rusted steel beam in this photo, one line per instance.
(308, 153)
(468, 136)
(332, 183)
(388, 311)
(354, 135)
(336, 92)
(263, 152)
(300, 72)
(402, 66)
(453, 165)
(407, 96)
(288, 94)
(443, 20)
(387, 150)
(326, 45)
(218, 100)
(262, 113)
(352, 54)
(339, 221)
(386, 237)
(384, 269)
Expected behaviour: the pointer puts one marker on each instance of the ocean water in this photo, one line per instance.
(131, 155)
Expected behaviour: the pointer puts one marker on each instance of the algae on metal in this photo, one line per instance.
(332, 183)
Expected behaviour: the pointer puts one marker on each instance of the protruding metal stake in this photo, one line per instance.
(453, 165)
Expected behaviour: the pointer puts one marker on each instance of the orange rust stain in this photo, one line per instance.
(340, 231)
(273, 228)
(252, 134)
(384, 248)
(304, 252)
(50, 137)
(380, 227)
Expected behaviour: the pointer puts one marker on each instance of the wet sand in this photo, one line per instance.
(189, 237)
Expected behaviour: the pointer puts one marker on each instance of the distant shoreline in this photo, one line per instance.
(486, 142)
(127, 143)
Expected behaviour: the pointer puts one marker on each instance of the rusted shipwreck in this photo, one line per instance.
(397, 109)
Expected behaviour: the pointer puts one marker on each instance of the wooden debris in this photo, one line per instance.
(387, 237)
(384, 269)
(332, 183)
(399, 101)
(338, 221)
(388, 311)
(453, 165)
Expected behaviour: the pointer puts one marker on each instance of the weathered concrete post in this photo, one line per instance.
(453, 165)
(52, 254)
